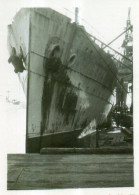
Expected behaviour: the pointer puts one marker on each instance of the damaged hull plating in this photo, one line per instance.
(68, 79)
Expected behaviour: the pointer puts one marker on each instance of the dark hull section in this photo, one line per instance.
(60, 140)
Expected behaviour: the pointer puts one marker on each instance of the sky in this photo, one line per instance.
(105, 19)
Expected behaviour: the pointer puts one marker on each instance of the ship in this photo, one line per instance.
(68, 79)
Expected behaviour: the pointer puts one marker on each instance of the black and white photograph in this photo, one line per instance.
(68, 93)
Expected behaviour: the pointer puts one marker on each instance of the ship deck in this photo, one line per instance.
(58, 171)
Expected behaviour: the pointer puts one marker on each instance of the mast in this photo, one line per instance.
(76, 14)
(124, 74)
(76, 5)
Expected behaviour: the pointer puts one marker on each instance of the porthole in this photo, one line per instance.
(55, 51)
(72, 59)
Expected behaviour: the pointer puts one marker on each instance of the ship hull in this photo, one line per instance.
(69, 80)
(64, 139)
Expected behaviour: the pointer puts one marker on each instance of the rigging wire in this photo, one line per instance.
(89, 25)
(110, 47)
(111, 70)
(118, 36)
(117, 53)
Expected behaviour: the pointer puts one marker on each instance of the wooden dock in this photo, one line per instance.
(57, 171)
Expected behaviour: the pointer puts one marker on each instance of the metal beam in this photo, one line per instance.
(130, 68)
(110, 47)
(117, 37)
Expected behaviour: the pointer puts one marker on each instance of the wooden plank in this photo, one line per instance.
(69, 171)
(13, 174)
(73, 181)
(95, 184)
(34, 164)
(105, 150)
(71, 158)
(65, 156)
(79, 168)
